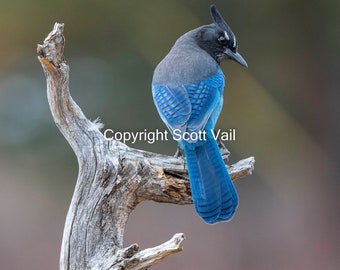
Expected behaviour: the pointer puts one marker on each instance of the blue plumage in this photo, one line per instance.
(213, 193)
(187, 89)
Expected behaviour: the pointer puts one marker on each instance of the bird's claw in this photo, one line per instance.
(180, 154)
(224, 150)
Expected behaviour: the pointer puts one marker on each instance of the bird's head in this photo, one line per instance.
(218, 40)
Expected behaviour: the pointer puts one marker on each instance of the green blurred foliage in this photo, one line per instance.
(285, 109)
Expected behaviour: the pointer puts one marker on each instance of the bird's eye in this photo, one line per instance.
(222, 40)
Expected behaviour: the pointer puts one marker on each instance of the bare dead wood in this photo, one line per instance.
(113, 178)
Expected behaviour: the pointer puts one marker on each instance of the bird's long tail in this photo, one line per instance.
(213, 193)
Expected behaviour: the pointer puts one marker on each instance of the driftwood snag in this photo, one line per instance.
(113, 178)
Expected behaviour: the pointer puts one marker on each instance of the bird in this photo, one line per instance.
(187, 90)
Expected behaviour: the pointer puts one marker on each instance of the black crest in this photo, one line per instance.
(218, 19)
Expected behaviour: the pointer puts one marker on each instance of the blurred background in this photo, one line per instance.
(285, 108)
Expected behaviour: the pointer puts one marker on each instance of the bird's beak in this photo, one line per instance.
(236, 57)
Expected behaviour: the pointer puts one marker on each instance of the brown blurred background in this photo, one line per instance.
(285, 109)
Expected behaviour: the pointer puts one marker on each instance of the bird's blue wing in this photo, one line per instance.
(205, 97)
(188, 107)
(173, 105)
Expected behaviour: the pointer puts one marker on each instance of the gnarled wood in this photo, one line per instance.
(113, 178)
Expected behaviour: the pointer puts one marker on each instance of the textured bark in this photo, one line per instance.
(113, 178)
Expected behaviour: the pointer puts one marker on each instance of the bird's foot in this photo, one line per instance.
(224, 150)
(180, 154)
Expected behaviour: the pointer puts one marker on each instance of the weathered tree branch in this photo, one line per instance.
(113, 178)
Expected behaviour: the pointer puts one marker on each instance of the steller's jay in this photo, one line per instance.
(187, 89)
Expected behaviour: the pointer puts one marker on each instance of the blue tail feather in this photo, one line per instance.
(214, 195)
